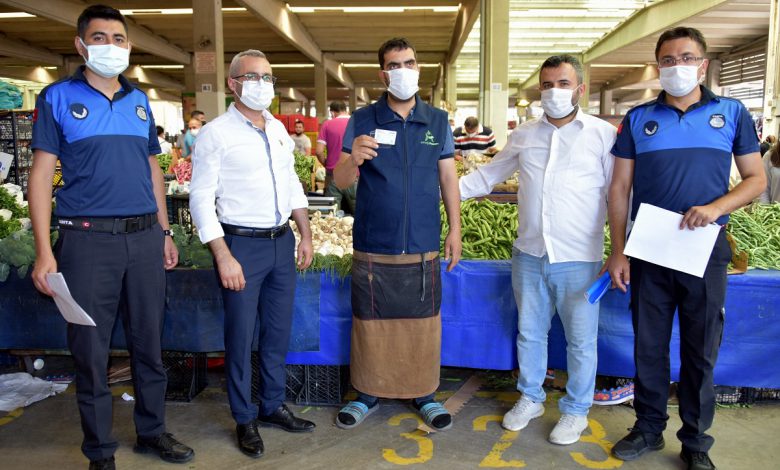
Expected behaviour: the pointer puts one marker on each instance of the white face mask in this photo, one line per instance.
(680, 80)
(403, 82)
(194, 132)
(557, 102)
(257, 95)
(106, 60)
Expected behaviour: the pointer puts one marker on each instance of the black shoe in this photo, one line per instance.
(283, 418)
(636, 443)
(249, 440)
(103, 464)
(166, 446)
(697, 460)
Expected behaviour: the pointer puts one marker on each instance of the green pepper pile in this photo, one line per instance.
(488, 229)
(756, 230)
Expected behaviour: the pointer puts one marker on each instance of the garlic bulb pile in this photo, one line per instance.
(330, 235)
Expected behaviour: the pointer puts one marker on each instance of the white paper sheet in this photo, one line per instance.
(70, 310)
(656, 237)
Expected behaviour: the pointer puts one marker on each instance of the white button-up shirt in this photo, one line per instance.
(242, 175)
(562, 185)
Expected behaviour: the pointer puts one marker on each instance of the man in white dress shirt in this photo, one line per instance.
(565, 169)
(243, 191)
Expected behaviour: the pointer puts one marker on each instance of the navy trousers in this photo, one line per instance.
(269, 270)
(109, 275)
(655, 294)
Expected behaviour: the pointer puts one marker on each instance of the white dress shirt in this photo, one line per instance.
(242, 175)
(562, 185)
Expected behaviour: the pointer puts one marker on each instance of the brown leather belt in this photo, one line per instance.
(406, 258)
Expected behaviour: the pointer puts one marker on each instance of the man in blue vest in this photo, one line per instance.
(676, 153)
(114, 244)
(404, 150)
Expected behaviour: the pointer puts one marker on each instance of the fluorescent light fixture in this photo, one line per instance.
(16, 14)
(617, 66)
(292, 66)
(375, 65)
(170, 11)
(376, 9)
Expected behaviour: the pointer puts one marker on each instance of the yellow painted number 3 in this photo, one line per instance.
(424, 445)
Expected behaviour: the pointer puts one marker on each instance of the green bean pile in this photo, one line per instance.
(488, 229)
(756, 230)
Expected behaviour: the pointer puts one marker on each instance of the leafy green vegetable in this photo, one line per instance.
(304, 165)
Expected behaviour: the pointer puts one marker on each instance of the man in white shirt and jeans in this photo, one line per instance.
(243, 191)
(565, 169)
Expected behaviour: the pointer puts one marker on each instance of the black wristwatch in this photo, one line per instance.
(168, 233)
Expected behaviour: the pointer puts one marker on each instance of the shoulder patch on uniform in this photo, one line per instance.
(78, 111)
(651, 127)
(140, 111)
(717, 121)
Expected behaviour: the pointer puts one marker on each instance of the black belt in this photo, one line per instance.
(273, 232)
(109, 224)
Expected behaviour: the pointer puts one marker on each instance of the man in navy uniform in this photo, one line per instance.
(676, 153)
(114, 244)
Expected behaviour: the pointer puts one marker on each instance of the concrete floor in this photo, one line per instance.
(47, 435)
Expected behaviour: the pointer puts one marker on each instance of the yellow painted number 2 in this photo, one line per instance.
(495, 458)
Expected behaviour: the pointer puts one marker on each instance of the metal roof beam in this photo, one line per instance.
(648, 72)
(66, 12)
(467, 15)
(22, 50)
(32, 74)
(287, 25)
(648, 22)
(152, 78)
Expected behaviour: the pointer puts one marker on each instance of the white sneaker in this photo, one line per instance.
(522, 413)
(568, 429)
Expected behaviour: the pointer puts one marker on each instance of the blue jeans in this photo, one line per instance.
(540, 289)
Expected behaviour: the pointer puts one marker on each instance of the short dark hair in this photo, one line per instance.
(102, 12)
(678, 33)
(471, 122)
(337, 106)
(391, 45)
(196, 113)
(160, 130)
(298, 121)
(553, 62)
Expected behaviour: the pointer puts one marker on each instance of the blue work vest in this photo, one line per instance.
(397, 208)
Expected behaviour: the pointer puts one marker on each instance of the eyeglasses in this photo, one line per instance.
(253, 77)
(685, 60)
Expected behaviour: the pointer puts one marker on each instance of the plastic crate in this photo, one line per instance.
(308, 385)
(744, 395)
(186, 374)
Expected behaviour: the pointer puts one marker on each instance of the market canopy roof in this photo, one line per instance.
(616, 37)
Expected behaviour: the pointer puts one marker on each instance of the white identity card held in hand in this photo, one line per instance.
(656, 237)
(384, 137)
(70, 310)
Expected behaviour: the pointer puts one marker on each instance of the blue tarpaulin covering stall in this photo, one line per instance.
(479, 320)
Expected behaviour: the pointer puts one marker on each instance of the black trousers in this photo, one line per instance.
(110, 275)
(267, 302)
(656, 292)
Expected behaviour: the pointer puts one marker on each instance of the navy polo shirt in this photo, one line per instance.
(103, 146)
(683, 159)
(397, 202)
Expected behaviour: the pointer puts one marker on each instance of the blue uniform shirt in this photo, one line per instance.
(103, 146)
(683, 159)
(397, 206)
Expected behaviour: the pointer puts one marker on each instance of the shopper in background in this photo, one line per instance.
(691, 134)
(114, 244)
(241, 198)
(330, 138)
(199, 115)
(301, 140)
(193, 128)
(474, 138)
(560, 240)
(771, 160)
(767, 144)
(165, 146)
(403, 148)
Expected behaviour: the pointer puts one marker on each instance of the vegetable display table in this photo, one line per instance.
(479, 322)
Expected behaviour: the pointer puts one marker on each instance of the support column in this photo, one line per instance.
(352, 100)
(585, 99)
(450, 87)
(494, 67)
(209, 58)
(772, 80)
(712, 80)
(321, 91)
(605, 102)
